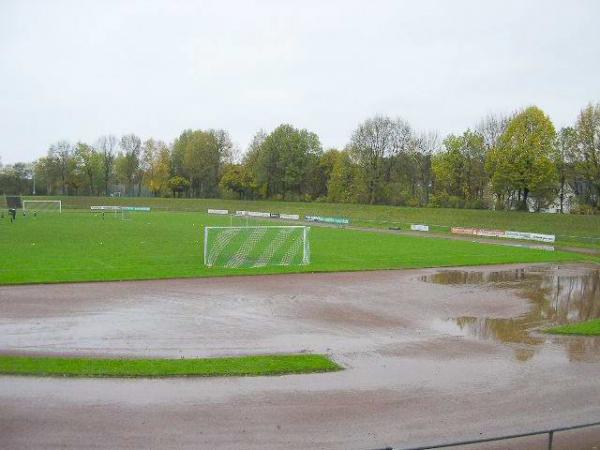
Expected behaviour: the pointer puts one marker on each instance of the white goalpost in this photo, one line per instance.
(256, 246)
(42, 205)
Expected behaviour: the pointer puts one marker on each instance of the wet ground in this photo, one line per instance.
(555, 297)
(430, 356)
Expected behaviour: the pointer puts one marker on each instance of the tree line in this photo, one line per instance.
(505, 162)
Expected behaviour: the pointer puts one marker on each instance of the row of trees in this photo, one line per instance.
(503, 162)
(192, 164)
(522, 158)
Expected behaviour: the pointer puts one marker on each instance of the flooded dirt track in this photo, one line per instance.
(430, 356)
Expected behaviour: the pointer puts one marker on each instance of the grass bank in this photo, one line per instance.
(589, 328)
(206, 367)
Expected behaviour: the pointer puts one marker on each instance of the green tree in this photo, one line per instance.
(425, 146)
(284, 160)
(566, 148)
(205, 154)
(90, 164)
(449, 168)
(59, 164)
(106, 148)
(43, 184)
(522, 164)
(76, 175)
(178, 153)
(372, 142)
(15, 178)
(251, 160)
(156, 164)
(236, 178)
(344, 184)
(121, 172)
(178, 185)
(588, 150)
(129, 161)
(460, 168)
(319, 173)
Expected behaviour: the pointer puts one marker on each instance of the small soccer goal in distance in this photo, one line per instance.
(42, 205)
(256, 246)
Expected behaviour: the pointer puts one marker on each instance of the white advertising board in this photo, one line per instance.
(258, 214)
(105, 208)
(289, 216)
(505, 234)
(253, 213)
(478, 232)
(530, 236)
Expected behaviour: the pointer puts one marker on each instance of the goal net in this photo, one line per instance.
(42, 205)
(256, 246)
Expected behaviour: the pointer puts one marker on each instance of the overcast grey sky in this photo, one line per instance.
(77, 70)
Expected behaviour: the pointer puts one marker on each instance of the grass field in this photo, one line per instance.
(204, 367)
(571, 230)
(81, 246)
(589, 328)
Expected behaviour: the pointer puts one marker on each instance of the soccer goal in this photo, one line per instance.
(256, 246)
(42, 205)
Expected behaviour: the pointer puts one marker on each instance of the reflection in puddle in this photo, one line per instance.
(557, 296)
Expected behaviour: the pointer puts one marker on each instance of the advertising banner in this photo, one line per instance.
(477, 232)
(505, 234)
(105, 208)
(223, 212)
(462, 230)
(135, 208)
(530, 236)
(253, 213)
(258, 214)
(324, 219)
(490, 233)
(289, 216)
(416, 227)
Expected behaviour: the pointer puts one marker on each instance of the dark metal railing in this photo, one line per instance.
(549, 432)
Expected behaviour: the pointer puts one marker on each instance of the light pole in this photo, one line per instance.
(33, 172)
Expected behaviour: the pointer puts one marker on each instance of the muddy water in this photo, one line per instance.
(556, 296)
(424, 362)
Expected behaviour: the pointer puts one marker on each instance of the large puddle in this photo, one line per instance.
(556, 296)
